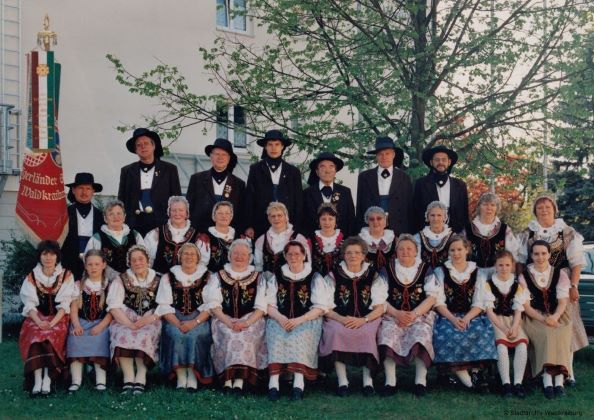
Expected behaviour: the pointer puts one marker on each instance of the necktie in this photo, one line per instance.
(385, 173)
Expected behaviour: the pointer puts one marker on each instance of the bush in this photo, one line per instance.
(19, 259)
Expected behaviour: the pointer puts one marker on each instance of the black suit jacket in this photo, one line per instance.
(201, 197)
(341, 198)
(259, 195)
(165, 184)
(426, 192)
(70, 253)
(400, 205)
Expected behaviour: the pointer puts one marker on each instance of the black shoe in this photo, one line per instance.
(273, 394)
(419, 390)
(519, 391)
(559, 391)
(549, 392)
(570, 383)
(127, 387)
(343, 391)
(296, 394)
(368, 391)
(35, 394)
(508, 391)
(192, 390)
(73, 388)
(388, 391)
(138, 389)
(238, 392)
(447, 381)
(227, 390)
(479, 383)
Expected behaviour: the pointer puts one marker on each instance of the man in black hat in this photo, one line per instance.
(438, 185)
(216, 184)
(146, 185)
(272, 179)
(386, 186)
(84, 220)
(323, 189)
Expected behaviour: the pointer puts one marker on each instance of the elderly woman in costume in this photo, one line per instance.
(380, 241)
(114, 239)
(405, 334)
(433, 239)
(218, 238)
(268, 254)
(567, 251)
(547, 324)
(88, 341)
(164, 242)
(136, 329)
(46, 294)
(463, 336)
(185, 347)
(350, 327)
(487, 234)
(297, 299)
(236, 296)
(326, 241)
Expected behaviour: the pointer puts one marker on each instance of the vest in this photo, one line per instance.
(188, 299)
(272, 261)
(167, 248)
(239, 296)
(115, 255)
(459, 296)
(352, 296)
(379, 259)
(93, 304)
(47, 295)
(324, 262)
(406, 297)
(219, 251)
(140, 299)
(293, 297)
(503, 303)
(543, 300)
(484, 248)
(437, 255)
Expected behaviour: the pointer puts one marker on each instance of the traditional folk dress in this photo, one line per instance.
(325, 251)
(92, 306)
(295, 294)
(433, 247)
(487, 239)
(181, 294)
(504, 297)
(115, 246)
(238, 355)
(405, 288)
(567, 251)
(355, 294)
(216, 247)
(163, 244)
(549, 347)
(135, 297)
(45, 348)
(268, 252)
(474, 347)
(380, 249)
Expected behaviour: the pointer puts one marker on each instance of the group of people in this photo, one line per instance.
(236, 283)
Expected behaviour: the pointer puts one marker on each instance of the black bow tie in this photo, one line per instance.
(83, 209)
(326, 191)
(385, 174)
(273, 163)
(145, 167)
(440, 178)
(219, 177)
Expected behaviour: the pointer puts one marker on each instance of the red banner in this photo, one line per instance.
(41, 201)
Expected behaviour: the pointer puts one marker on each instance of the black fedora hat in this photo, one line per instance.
(313, 165)
(139, 132)
(83, 178)
(429, 152)
(225, 145)
(274, 135)
(385, 142)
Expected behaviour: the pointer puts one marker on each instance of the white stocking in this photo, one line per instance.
(520, 359)
(341, 374)
(76, 369)
(420, 372)
(503, 363)
(390, 371)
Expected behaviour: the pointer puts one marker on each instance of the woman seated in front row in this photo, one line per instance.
(350, 328)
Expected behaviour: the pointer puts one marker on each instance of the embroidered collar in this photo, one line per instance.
(178, 231)
(227, 237)
(541, 278)
(352, 275)
(91, 286)
(557, 227)
(429, 234)
(382, 243)
(296, 276)
(237, 275)
(329, 243)
(116, 234)
(502, 285)
(46, 280)
(406, 274)
(141, 282)
(284, 235)
(188, 278)
(460, 276)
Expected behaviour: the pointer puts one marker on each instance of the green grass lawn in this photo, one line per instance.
(161, 402)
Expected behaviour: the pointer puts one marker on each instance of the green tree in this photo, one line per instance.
(576, 199)
(468, 73)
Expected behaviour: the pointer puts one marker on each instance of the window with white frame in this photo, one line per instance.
(231, 15)
(231, 124)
